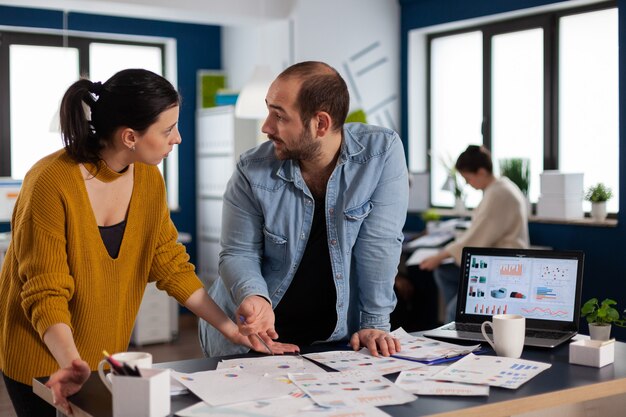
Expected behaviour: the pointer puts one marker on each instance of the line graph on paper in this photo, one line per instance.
(546, 312)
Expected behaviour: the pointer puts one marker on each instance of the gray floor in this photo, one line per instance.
(185, 347)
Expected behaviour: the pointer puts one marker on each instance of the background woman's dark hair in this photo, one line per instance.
(131, 98)
(322, 89)
(473, 158)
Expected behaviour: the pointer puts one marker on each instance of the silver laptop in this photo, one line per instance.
(542, 285)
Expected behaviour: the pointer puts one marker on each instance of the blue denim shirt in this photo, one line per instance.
(267, 217)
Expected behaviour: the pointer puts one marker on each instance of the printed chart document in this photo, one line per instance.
(417, 381)
(349, 360)
(492, 370)
(423, 349)
(232, 385)
(355, 388)
(288, 405)
(278, 365)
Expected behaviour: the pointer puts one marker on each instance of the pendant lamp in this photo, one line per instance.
(251, 101)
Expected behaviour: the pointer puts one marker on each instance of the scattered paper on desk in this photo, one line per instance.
(233, 385)
(420, 254)
(424, 349)
(355, 411)
(278, 365)
(176, 388)
(431, 240)
(492, 370)
(288, 405)
(344, 389)
(349, 360)
(416, 382)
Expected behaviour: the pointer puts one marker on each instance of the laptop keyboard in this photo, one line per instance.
(475, 328)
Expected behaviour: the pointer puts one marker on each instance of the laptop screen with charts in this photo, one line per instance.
(542, 285)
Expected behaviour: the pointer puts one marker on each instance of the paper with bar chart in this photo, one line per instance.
(534, 287)
(495, 371)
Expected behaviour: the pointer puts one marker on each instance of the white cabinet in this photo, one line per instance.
(157, 319)
(154, 320)
(220, 138)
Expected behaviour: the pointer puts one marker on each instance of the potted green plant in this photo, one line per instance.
(518, 171)
(600, 317)
(598, 195)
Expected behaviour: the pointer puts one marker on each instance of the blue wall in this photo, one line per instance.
(605, 248)
(198, 47)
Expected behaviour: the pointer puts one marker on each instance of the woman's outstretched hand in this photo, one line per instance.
(68, 381)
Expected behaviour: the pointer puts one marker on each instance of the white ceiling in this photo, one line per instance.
(219, 12)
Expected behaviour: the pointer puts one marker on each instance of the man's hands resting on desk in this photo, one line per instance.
(378, 342)
(258, 319)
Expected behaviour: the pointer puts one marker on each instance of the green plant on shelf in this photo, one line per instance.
(518, 171)
(431, 215)
(602, 313)
(598, 193)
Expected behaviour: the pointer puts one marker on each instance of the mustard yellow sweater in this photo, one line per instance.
(57, 269)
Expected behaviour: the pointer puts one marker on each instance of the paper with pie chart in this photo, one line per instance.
(232, 385)
(345, 389)
(272, 365)
(349, 360)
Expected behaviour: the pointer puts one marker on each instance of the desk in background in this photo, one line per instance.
(561, 385)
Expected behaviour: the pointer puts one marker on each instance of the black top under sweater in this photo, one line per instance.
(112, 237)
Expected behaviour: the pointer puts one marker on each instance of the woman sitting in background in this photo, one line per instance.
(500, 221)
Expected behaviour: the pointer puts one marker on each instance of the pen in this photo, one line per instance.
(117, 367)
(243, 321)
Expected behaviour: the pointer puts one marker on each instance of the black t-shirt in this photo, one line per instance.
(112, 237)
(307, 312)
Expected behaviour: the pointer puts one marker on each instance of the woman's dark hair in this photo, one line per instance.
(473, 158)
(322, 89)
(131, 98)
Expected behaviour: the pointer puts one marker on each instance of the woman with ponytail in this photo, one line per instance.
(90, 229)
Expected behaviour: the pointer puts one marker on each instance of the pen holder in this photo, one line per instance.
(147, 395)
(594, 353)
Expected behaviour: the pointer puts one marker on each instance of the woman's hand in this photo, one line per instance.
(68, 381)
(434, 261)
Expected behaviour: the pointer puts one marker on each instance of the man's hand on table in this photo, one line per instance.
(378, 342)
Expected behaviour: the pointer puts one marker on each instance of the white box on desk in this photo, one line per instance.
(144, 396)
(561, 183)
(597, 353)
(560, 207)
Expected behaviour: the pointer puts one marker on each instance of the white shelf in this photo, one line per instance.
(220, 138)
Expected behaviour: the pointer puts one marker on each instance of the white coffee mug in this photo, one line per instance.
(508, 334)
(132, 359)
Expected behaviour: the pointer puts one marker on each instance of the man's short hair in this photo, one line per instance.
(322, 89)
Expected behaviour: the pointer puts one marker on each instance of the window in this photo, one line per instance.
(542, 87)
(37, 69)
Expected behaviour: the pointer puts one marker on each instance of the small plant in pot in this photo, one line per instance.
(518, 171)
(431, 219)
(598, 195)
(600, 316)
